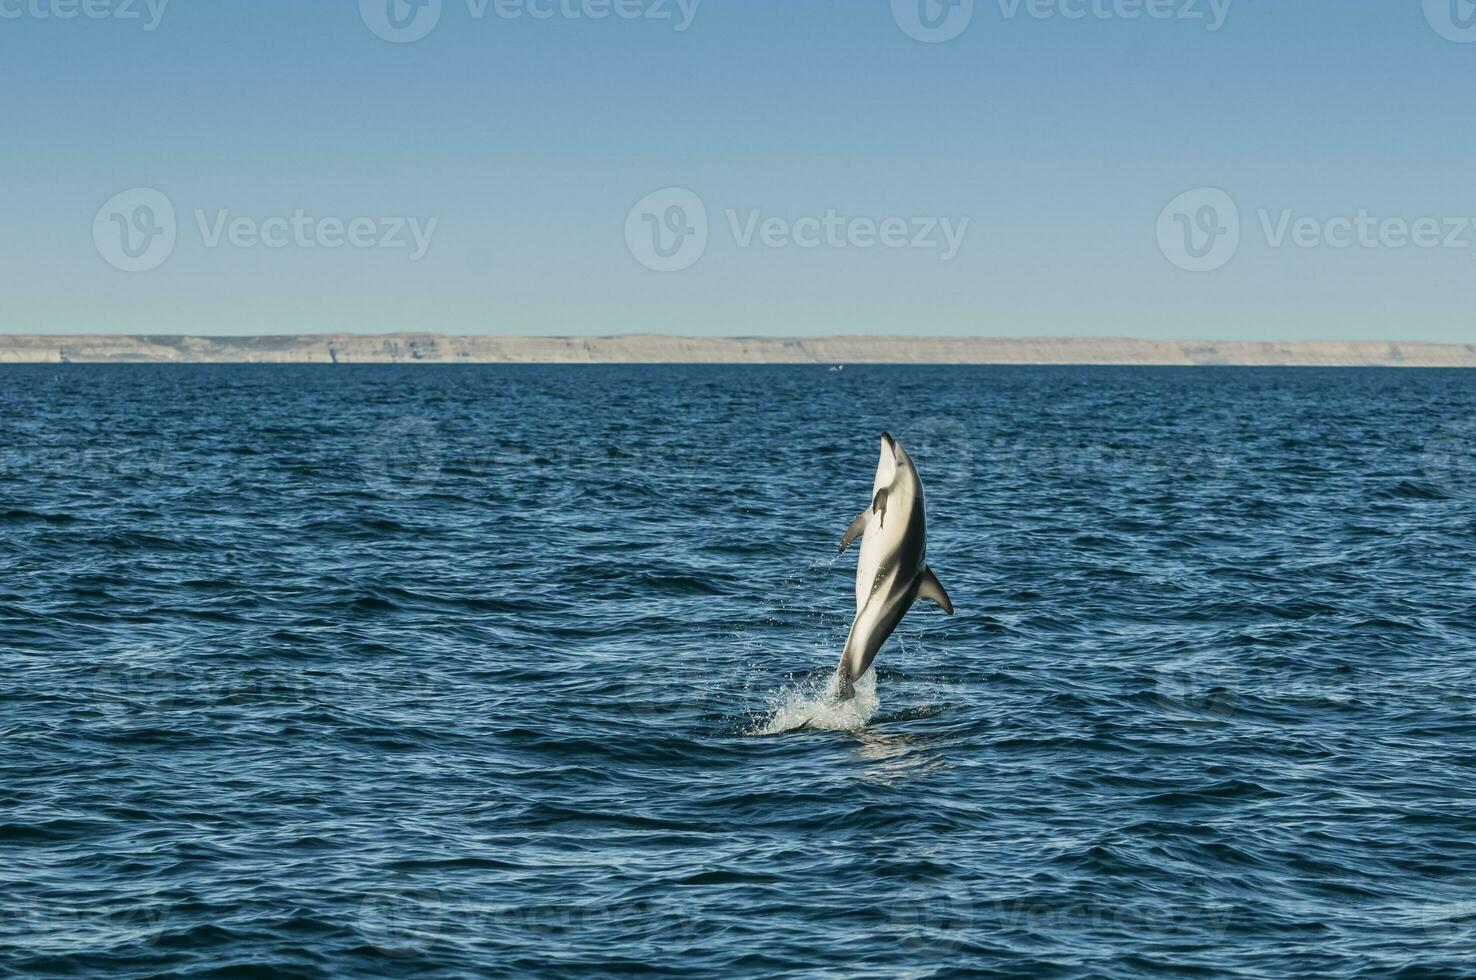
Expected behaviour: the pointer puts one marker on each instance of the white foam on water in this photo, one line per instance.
(813, 705)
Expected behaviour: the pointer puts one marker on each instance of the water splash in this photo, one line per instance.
(812, 704)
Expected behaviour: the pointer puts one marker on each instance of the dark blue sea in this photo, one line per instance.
(415, 671)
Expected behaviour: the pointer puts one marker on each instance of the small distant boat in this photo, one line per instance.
(837, 369)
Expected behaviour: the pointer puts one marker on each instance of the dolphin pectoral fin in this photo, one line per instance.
(928, 587)
(854, 531)
(878, 506)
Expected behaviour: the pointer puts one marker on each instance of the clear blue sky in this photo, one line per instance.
(529, 141)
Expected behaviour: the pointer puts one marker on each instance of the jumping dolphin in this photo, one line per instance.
(892, 572)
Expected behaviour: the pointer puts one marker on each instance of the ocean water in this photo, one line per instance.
(429, 671)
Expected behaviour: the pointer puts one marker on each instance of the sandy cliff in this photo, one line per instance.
(649, 348)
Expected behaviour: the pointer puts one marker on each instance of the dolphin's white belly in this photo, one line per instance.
(882, 538)
(868, 564)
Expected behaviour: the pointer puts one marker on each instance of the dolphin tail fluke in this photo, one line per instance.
(845, 687)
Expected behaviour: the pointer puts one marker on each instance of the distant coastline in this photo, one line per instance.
(430, 348)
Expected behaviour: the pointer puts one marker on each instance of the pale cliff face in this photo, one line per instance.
(653, 349)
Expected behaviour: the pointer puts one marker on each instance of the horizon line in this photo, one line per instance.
(426, 347)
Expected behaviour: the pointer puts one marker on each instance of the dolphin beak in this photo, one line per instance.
(889, 444)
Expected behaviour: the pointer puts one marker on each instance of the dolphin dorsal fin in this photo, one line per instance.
(928, 587)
